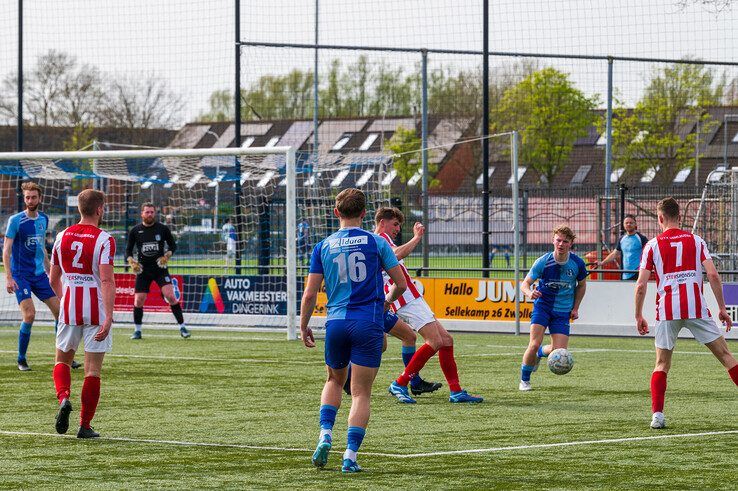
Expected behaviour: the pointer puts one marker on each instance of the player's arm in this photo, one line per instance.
(307, 306)
(107, 287)
(10, 284)
(578, 296)
(526, 287)
(401, 252)
(717, 289)
(640, 296)
(614, 254)
(399, 287)
(169, 239)
(135, 265)
(55, 273)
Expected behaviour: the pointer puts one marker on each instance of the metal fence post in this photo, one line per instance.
(424, 157)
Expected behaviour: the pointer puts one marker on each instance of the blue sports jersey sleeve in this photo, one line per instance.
(387, 255)
(536, 271)
(316, 264)
(12, 229)
(583, 273)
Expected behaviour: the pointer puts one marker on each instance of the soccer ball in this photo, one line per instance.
(560, 361)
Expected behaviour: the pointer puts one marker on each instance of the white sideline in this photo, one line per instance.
(192, 358)
(389, 455)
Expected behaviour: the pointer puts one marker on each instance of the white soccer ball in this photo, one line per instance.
(560, 361)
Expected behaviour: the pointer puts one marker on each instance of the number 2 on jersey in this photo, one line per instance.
(77, 246)
(353, 267)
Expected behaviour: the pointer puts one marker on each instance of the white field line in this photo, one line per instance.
(191, 358)
(199, 335)
(392, 455)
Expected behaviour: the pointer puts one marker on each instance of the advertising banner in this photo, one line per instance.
(256, 295)
(730, 292)
(124, 290)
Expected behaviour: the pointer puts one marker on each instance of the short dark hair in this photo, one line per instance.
(350, 203)
(89, 200)
(629, 215)
(388, 213)
(669, 208)
(148, 204)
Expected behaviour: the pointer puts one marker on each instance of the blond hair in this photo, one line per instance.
(565, 231)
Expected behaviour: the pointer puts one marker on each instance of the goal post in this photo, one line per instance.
(236, 260)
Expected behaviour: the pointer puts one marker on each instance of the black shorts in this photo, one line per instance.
(143, 280)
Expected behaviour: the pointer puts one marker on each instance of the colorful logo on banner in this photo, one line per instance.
(730, 292)
(212, 296)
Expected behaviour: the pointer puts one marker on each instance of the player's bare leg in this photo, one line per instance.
(658, 387)
(62, 376)
(720, 349)
(139, 298)
(330, 402)
(90, 394)
(53, 304)
(408, 338)
(361, 392)
(530, 357)
(168, 292)
(28, 314)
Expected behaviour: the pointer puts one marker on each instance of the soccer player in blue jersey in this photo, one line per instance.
(26, 263)
(351, 263)
(561, 277)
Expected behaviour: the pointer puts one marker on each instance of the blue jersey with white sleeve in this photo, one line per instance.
(351, 262)
(29, 241)
(557, 282)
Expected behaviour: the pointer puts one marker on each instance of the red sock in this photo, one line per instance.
(658, 389)
(416, 363)
(448, 365)
(90, 396)
(62, 376)
(733, 372)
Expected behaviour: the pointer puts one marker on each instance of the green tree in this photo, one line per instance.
(405, 146)
(653, 134)
(550, 114)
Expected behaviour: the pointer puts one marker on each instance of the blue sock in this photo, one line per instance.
(541, 354)
(525, 371)
(327, 416)
(407, 355)
(355, 437)
(24, 337)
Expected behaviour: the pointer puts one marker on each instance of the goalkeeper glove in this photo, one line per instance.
(162, 261)
(135, 265)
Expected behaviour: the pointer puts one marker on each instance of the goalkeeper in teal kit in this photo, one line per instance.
(351, 263)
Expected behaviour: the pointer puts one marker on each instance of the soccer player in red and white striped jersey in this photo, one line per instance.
(677, 259)
(416, 312)
(82, 276)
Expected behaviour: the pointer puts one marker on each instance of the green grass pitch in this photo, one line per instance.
(163, 396)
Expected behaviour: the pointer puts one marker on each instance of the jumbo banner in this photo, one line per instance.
(125, 288)
(464, 299)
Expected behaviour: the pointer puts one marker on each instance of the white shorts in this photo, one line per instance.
(68, 338)
(231, 247)
(416, 313)
(704, 331)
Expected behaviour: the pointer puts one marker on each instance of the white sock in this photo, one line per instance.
(183, 326)
(324, 432)
(349, 454)
(137, 327)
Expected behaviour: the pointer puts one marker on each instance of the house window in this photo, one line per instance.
(490, 171)
(272, 142)
(265, 179)
(368, 142)
(246, 143)
(602, 140)
(650, 174)
(416, 177)
(521, 173)
(364, 177)
(339, 178)
(581, 174)
(682, 176)
(342, 141)
(616, 174)
(389, 177)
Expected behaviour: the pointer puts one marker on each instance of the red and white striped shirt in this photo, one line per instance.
(79, 251)
(675, 257)
(411, 293)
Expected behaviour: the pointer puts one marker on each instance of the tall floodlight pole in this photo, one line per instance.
(237, 122)
(19, 124)
(608, 155)
(424, 157)
(315, 90)
(485, 142)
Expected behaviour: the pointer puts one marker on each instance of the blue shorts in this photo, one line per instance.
(38, 285)
(355, 341)
(556, 322)
(390, 319)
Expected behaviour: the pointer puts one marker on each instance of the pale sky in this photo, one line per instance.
(190, 42)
